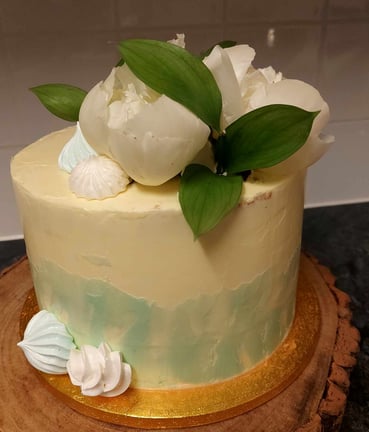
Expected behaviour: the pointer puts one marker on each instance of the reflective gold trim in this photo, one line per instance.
(158, 409)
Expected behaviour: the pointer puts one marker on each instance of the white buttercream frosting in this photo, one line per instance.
(47, 343)
(98, 177)
(75, 150)
(99, 371)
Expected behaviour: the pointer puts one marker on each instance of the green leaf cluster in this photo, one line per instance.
(258, 139)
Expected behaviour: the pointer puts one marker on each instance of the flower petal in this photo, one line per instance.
(93, 118)
(221, 67)
(179, 41)
(158, 142)
(241, 57)
(297, 93)
(270, 74)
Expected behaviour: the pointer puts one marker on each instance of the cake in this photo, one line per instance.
(126, 265)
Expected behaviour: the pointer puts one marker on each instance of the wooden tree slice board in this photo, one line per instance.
(314, 402)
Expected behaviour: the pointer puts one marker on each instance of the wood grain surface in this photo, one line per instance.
(314, 402)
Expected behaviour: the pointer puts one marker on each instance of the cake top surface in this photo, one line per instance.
(36, 169)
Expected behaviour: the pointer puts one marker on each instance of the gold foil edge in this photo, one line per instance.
(200, 405)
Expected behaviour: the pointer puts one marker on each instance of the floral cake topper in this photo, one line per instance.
(164, 112)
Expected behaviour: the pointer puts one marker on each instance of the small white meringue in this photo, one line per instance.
(75, 150)
(47, 343)
(98, 177)
(99, 371)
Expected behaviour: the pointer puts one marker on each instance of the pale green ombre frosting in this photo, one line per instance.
(202, 340)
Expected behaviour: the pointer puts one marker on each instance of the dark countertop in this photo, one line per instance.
(339, 238)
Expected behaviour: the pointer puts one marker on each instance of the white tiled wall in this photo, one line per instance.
(324, 42)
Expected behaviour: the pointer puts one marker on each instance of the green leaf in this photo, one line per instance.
(264, 137)
(62, 100)
(173, 71)
(222, 44)
(206, 198)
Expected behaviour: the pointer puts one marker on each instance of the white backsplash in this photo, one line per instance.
(323, 42)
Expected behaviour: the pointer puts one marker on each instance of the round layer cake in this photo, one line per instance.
(127, 270)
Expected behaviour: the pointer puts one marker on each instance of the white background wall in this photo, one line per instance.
(324, 42)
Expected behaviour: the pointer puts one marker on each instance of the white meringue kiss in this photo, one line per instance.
(47, 343)
(99, 371)
(75, 150)
(98, 177)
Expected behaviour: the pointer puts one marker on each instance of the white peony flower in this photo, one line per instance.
(152, 137)
(99, 371)
(260, 87)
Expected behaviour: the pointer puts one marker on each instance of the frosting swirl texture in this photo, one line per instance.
(99, 371)
(47, 343)
(97, 177)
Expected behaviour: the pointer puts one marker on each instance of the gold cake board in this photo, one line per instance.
(302, 385)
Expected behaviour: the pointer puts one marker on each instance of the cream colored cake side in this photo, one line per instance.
(127, 270)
